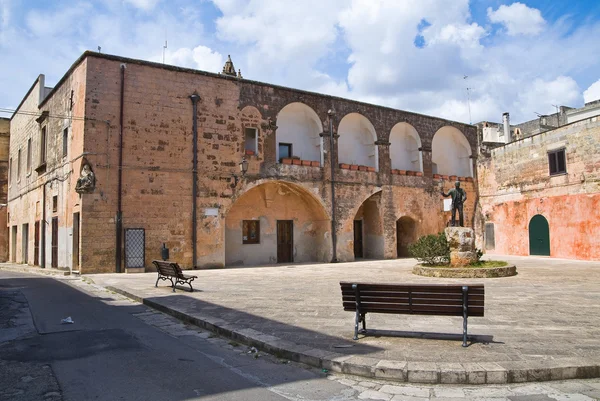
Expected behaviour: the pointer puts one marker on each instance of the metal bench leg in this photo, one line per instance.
(356, 321)
(156, 285)
(465, 291)
(363, 317)
(172, 284)
(191, 288)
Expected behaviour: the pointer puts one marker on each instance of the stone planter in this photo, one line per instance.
(306, 163)
(315, 164)
(344, 166)
(286, 161)
(465, 272)
(419, 174)
(296, 162)
(437, 176)
(354, 167)
(362, 168)
(401, 172)
(371, 169)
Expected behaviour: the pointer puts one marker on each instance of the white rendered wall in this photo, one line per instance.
(356, 143)
(404, 148)
(451, 153)
(299, 125)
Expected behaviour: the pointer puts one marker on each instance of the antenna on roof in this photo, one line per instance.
(165, 46)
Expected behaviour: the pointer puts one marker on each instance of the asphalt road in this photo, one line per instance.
(119, 350)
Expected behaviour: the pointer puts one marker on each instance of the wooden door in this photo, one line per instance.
(36, 244)
(25, 245)
(75, 241)
(285, 241)
(539, 236)
(54, 242)
(358, 239)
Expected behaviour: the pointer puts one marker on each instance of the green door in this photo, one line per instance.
(539, 236)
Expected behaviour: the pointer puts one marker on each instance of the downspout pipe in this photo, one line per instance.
(42, 229)
(195, 97)
(119, 225)
(331, 113)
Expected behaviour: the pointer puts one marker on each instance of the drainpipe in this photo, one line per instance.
(331, 113)
(119, 226)
(195, 97)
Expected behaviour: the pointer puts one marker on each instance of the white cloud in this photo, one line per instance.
(518, 19)
(201, 57)
(146, 5)
(592, 93)
(542, 96)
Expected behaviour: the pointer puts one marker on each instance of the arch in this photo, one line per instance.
(406, 234)
(300, 126)
(368, 232)
(404, 148)
(267, 203)
(451, 153)
(539, 236)
(356, 143)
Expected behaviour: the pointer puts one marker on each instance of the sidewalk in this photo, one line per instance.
(543, 324)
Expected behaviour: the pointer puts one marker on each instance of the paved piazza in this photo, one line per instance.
(548, 315)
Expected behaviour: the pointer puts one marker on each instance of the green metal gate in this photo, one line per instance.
(539, 236)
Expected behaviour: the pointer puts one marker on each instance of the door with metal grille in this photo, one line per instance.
(135, 247)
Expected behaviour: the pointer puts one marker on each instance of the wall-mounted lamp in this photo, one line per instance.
(243, 169)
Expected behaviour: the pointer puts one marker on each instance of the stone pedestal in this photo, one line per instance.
(462, 246)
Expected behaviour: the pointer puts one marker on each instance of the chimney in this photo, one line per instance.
(506, 122)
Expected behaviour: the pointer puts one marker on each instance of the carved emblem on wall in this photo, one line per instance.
(86, 181)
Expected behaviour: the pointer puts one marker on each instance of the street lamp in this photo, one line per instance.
(243, 169)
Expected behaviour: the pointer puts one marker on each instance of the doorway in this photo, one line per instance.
(54, 242)
(539, 236)
(76, 241)
(13, 245)
(25, 244)
(358, 239)
(285, 241)
(36, 243)
(405, 235)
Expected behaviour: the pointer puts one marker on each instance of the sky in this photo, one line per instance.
(463, 60)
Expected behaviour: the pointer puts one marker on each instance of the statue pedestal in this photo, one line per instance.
(462, 245)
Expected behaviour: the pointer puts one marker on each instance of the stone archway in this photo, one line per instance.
(356, 143)
(369, 241)
(298, 133)
(255, 227)
(405, 145)
(406, 234)
(451, 153)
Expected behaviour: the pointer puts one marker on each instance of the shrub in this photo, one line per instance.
(431, 249)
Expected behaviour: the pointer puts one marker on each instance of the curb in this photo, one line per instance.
(400, 371)
(49, 271)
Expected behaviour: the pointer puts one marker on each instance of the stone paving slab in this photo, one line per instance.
(543, 324)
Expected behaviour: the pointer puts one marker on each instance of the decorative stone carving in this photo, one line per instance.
(461, 241)
(86, 181)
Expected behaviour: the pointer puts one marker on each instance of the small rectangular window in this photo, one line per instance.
(29, 156)
(557, 162)
(65, 141)
(251, 232)
(285, 150)
(19, 165)
(10, 171)
(43, 139)
(55, 203)
(250, 141)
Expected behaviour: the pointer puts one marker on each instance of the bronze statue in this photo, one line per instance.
(459, 196)
(86, 181)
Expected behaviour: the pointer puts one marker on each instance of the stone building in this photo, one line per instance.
(122, 156)
(539, 192)
(4, 143)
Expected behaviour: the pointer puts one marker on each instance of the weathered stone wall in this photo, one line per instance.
(62, 109)
(4, 156)
(157, 169)
(515, 185)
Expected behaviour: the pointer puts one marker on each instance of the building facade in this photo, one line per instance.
(123, 157)
(540, 194)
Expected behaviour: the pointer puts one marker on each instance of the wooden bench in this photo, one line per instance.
(412, 299)
(171, 270)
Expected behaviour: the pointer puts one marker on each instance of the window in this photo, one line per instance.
(19, 166)
(250, 141)
(556, 160)
(55, 203)
(43, 146)
(285, 150)
(251, 232)
(65, 141)
(29, 156)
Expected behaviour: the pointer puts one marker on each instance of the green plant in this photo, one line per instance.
(431, 249)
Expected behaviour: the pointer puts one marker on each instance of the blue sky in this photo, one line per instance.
(521, 57)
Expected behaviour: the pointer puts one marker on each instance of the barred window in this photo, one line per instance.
(557, 162)
(251, 232)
